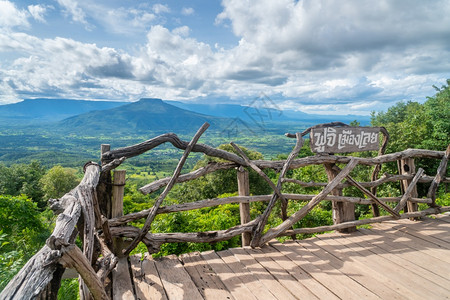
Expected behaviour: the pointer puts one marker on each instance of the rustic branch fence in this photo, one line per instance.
(93, 210)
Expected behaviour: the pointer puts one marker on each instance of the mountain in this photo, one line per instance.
(145, 115)
(49, 110)
(259, 113)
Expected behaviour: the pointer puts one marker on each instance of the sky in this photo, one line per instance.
(316, 56)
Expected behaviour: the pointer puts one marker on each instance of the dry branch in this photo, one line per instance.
(265, 216)
(439, 176)
(172, 138)
(176, 173)
(408, 191)
(273, 232)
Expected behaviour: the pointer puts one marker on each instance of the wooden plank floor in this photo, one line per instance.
(393, 260)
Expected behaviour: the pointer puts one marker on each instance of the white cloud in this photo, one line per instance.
(38, 12)
(161, 8)
(187, 11)
(72, 8)
(11, 16)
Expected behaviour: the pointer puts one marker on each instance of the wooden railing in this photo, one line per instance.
(93, 209)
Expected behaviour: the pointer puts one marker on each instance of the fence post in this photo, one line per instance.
(117, 204)
(244, 208)
(408, 167)
(104, 190)
(342, 211)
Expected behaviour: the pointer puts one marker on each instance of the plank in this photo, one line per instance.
(411, 260)
(147, 283)
(234, 284)
(253, 284)
(445, 217)
(206, 280)
(176, 281)
(287, 277)
(353, 290)
(357, 272)
(267, 279)
(324, 278)
(396, 273)
(122, 286)
(417, 242)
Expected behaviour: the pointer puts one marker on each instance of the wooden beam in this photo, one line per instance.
(158, 202)
(244, 207)
(273, 232)
(408, 191)
(440, 174)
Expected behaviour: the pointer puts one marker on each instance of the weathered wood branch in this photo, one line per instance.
(273, 232)
(38, 271)
(209, 168)
(408, 191)
(370, 195)
(265, 216)
(176, 173)
(305, 161)
(113, 164)
(439, 176)
(150, 239)
(72, 257)
(172, 138)
(377, 169)
(385, 178)
(416, 214)
(245, 199)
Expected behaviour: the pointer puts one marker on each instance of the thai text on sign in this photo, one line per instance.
(344, 139)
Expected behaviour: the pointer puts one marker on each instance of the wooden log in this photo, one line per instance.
(273, 232)
(440, 174)
(407, 166)
(385, 178)
(172, 138)
(151, 239)
(341, 211)
(104, 188)
(265, 216)
(152, 213)
(38, 271)
(113, 164)
(257, 170)
(72, 257)
(244, 207)
(244, 199)
(209, 168)
(374, 198)
(422, 213)
(409, 191)
(117, 204)
(377, 168)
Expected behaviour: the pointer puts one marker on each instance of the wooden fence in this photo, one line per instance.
(93, 210)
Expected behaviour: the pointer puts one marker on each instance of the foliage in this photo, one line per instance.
(58, 181)
(415, 125)
(23, 231)
(219, 182)
(23, 179)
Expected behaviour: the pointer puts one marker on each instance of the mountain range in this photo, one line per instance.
(150, 114)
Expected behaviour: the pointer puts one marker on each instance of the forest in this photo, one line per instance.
(25, 186)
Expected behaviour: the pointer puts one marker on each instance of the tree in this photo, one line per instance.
(23, 179)
(58, 181)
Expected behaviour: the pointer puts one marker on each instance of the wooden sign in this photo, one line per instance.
(344, 139)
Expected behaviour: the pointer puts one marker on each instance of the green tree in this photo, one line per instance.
(58, 181)
(23, 179)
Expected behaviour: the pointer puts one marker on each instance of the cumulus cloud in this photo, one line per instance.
(187, 11)
(11, 16)
(38, 12)
(342, 57)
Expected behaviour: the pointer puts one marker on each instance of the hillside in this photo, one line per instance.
(41, 110)
(144, 115)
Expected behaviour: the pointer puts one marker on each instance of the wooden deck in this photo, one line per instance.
(393, 260)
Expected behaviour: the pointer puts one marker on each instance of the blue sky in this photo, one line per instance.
(317, 56)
